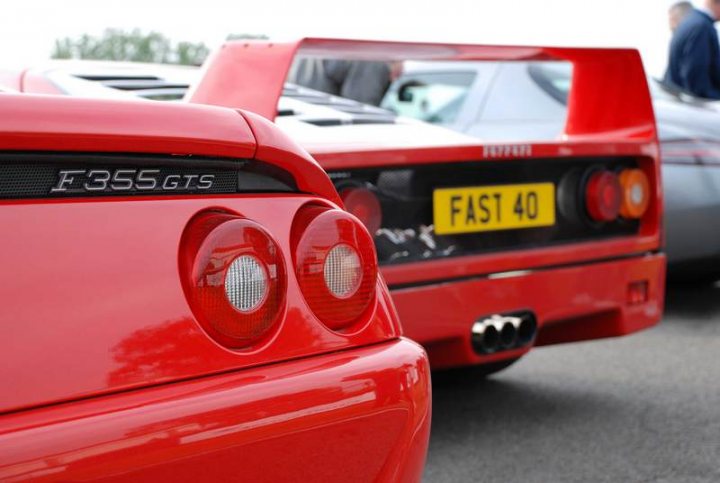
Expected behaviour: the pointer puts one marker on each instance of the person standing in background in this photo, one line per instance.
(312, 73)
(677, 12)
(694, 63)
(362, 81)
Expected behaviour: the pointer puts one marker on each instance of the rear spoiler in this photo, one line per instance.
(609, 94)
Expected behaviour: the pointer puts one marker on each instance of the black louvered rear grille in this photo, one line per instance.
(145, 86)
(63, 175)
(406, 197)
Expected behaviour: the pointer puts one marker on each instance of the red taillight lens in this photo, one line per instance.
(635, 193)
(335, 264)
(603, 196)
(234, 277)
(363, 203)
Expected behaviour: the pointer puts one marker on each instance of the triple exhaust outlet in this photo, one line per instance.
(503, 332)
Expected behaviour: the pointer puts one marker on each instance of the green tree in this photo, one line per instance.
(133, 45)
(189, 53)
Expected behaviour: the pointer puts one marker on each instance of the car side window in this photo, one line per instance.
(554, 78)
(518, 96)
(430, 97)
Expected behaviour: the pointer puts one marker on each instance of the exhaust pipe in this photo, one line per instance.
(503, 332)
(526, 329)
(485, 337)
(508, 331)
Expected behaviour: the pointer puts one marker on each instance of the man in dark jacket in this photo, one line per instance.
(362, 81)
(694, 64)
(677, 12)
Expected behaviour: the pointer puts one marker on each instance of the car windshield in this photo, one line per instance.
(430, 97)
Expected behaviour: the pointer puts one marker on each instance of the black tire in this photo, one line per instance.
(480, 371)
(692, 279)
(697, 272)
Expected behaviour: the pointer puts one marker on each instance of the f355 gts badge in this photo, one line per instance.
(131, 180)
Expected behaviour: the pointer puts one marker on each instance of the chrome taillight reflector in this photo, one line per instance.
(246, 283)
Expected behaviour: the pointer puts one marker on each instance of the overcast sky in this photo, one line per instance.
(28, 28)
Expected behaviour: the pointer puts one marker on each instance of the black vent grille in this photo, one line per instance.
(356, 121)
(145, 86)
(406, 199)
(43, 175)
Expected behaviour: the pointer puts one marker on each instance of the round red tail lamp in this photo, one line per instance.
(363, 203)
(234, 277)
(635, 193)
(336, 265)
(603, 196)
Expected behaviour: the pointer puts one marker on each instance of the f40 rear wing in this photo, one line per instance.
(609, 95)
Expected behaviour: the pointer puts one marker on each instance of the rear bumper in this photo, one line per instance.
(572, 303)
(362, 414)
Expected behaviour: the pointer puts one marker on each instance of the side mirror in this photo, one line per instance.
(405, 91)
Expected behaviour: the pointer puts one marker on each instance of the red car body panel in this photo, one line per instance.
(107, 373)
(27, 81)
(122, 292)
(578, 291)
(357, 415)
(572, 303)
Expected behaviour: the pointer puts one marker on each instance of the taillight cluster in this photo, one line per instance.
(609, 194)
(235, 278)
(335, 265)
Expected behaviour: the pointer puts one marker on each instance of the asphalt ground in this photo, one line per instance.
(643, 408)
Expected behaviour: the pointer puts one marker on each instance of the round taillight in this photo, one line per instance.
(363, 203)
(234, 277)
(603, 196)
(336, 265)
(635, 193)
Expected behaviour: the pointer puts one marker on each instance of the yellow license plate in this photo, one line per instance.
(489, 208)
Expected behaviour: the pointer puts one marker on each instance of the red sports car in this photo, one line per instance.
(182, 300)
(489, 248)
